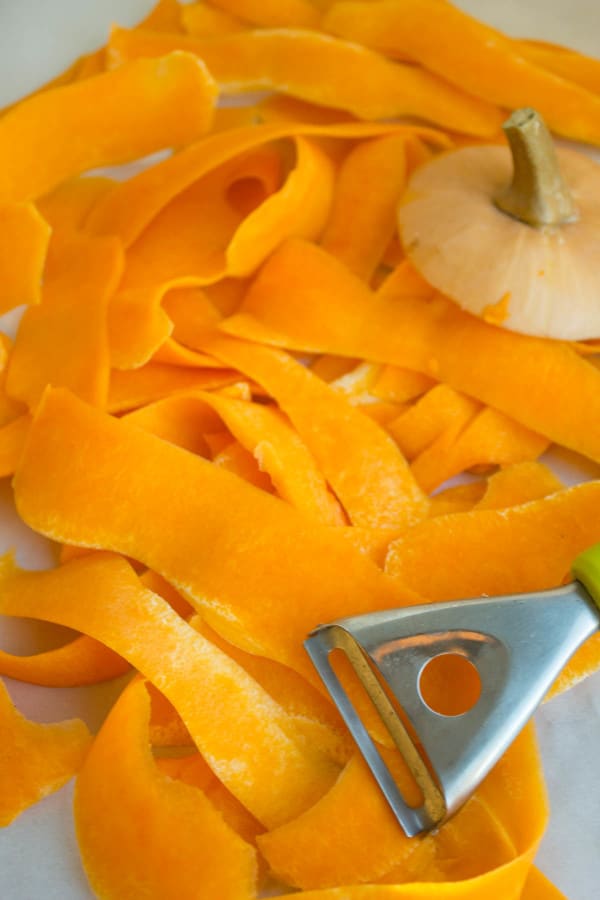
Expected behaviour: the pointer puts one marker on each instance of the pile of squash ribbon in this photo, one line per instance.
(234, 404)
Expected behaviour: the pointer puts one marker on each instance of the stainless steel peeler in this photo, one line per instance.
(518, 644)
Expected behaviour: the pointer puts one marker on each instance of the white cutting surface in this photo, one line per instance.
(38, 853)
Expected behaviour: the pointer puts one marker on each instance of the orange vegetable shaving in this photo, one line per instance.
(263, 594)
(12, 441)
(150, 104)
(143, 628)
(363, 219)
(133, 204)
(567, 64)
(62, 341)
(137, 387)
(201, 20)
(81, 661)
(193, 770)
(470, 55)
(35, 759)
(491, 438)
(367, 472)
(518, 484)
(182, 839)
(208, 232)
(272, 13)
(24, 237)
(280, 452)
(323, 70)
(537, 887)
(331, 311)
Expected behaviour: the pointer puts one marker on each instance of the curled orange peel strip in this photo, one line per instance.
(122, 489)
(322, 69)
(103, 596)
(132, 205)
(35, 759)
(62, 341)
(81, 661)
(366, 470)
(182, 839)
(150, 104)
(331, 311)
(472, 56)
(24, 237)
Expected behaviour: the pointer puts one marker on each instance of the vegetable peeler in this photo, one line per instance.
(518, 644)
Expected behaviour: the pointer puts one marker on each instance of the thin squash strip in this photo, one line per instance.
(129, 209)
(281, 453)
(247, 739)
(293, 692)
(435, 412)
(151, 104)
(24, 237)
(313, 715)
(518, 484)
(236, 459)
(366, 845)
(165, 16)
(459, 498)
(35, 759)
(405, 281)
(331, 311)
(264, 593)
(185, 245)
(323, 70)
(398, 385)
(568, 64)
(181, 420)
(193, 770)
(471, 55)
(186, 315)
(12, 441)
(81, 661)
(179, 847)
(368, 189)
(355, 385)
(164, 250)
(360, 461)
(133, 388)
(491, 438)
(561, 60)
(537, 887)
(63, 341)
(523, 548)
(203, 21)
(273, 13)
(68, 205)
(203, 236)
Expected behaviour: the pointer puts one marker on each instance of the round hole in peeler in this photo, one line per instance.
(449, 684)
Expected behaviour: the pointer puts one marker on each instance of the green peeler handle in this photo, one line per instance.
(586, 569)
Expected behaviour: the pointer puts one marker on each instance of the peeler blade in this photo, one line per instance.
(518, 644)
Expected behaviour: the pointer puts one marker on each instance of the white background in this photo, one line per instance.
(38, 853)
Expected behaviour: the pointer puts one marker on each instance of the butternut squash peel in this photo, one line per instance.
(35, 759)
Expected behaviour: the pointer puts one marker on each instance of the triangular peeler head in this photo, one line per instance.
(518, 645)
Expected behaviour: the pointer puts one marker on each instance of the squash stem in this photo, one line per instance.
(538, 194)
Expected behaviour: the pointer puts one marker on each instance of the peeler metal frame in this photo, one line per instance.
(518, 644)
